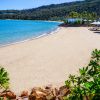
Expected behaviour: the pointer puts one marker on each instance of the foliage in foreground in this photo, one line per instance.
(4, 79)
(86, 85)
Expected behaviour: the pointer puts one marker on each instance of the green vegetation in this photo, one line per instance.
(84, 15)
(84, 18)
(86, 85)
(55, 12)
(4, 79)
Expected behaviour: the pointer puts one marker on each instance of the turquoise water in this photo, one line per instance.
(12, 31)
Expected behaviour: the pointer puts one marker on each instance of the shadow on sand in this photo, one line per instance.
(98, 32)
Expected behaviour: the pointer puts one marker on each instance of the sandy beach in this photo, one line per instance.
(49, 59)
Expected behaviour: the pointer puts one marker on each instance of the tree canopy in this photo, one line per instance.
(54, 11)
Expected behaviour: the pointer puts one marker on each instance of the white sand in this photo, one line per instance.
(49, 59)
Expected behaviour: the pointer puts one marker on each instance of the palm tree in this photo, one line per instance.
(4, 80)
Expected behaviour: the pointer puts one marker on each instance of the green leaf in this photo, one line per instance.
(4, 79)
(87, 82)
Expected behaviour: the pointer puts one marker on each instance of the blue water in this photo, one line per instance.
(12, 31)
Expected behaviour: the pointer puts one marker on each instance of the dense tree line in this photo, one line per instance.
(84, 15)
(53, 12)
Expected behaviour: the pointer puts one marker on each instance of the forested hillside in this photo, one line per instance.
(52, 12)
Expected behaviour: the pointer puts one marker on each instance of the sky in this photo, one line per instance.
(25, 4)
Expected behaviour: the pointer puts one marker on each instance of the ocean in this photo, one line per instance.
(12, 31)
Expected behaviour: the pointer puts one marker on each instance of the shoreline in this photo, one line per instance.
(34, 20)
(37, 37)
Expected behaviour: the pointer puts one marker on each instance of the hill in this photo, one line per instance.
(52, 12)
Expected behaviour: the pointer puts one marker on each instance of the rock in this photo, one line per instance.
(8, 94)
(40, 93)
(33, 95)
(49, 86)
(11, 95)
(37, 94)
(41, 97)
(55, 92)
(51, 94)
(40, 90)
(51, 97)
(63, 91)
(24, 94)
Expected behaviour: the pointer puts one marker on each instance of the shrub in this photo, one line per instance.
(86, 85)
(65, 21)
(4, 79)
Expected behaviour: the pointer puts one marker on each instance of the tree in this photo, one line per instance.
(86, 85)
(4, 79)
(74, 14)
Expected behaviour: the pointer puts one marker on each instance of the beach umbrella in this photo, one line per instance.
(85, 20)
(90, 20)
(94, 20)
(95, 23)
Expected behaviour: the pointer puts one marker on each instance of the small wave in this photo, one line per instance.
(33, 38)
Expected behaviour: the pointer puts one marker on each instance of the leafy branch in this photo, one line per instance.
(86, 85)
(4, 79)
